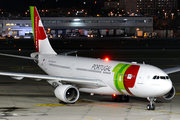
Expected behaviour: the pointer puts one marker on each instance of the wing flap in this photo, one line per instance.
(68, 80)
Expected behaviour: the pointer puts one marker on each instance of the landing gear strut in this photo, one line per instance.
(61, 102)
(120, 98)
(151, 106)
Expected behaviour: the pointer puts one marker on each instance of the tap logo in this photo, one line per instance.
(125, 77)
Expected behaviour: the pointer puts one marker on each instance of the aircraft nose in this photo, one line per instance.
(166, 86)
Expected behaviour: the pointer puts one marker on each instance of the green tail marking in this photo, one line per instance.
(32, 19)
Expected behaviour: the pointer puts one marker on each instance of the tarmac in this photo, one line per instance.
(34, 100)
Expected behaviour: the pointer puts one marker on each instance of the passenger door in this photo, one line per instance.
(141, 77)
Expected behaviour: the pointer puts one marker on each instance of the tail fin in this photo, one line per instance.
(41, 41)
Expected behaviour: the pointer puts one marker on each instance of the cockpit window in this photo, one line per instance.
(154, 77)
(161, 77)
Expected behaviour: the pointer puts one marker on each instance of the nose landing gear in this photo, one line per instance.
(151, 106)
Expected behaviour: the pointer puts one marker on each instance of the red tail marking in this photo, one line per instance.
(39, 30)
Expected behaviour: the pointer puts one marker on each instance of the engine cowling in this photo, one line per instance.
(67, 93)
(170, 94)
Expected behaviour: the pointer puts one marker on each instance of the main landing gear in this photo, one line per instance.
(61, 102)
(151, 106)
(120, 98)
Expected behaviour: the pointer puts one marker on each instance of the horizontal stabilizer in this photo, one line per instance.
(30, 58)
(67, 53)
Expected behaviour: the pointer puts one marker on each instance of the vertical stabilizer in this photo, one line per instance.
(41, 40)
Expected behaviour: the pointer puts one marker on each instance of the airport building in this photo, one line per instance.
(97, 26)
(147, 7)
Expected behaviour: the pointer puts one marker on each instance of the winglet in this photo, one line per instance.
(41, 40)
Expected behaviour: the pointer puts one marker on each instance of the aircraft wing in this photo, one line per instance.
(171, 70)
(68, 80)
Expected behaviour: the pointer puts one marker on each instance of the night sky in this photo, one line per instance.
(23, 5)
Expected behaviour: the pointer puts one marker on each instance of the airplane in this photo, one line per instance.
(70, 75)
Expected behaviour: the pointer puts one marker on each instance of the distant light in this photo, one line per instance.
(76, 19)
(79, 12)
(106, 59)
(84, 3)
(19, 49)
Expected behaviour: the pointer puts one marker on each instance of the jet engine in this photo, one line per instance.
(169, 95)
(67, 93)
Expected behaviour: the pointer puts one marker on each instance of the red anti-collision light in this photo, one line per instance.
(114, 95)
(106, 59)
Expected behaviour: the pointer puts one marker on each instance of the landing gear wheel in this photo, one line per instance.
(61, 102)
(114, 98)
(151, 106)
(120, 98)
(126, 98)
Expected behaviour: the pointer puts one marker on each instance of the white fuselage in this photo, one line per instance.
(120, 77)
